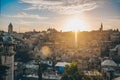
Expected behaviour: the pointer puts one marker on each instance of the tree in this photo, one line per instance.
(72, 72)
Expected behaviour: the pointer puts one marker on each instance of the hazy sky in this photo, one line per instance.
(41, 14)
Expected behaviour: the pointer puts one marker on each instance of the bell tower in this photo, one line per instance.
(10, 28)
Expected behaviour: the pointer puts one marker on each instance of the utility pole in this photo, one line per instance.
(39, 72)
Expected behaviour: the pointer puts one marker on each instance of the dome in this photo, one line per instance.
(7, 38)
(62, 64)
(108, 63)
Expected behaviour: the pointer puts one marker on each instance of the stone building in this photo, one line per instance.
(7, 55)
(10, 28)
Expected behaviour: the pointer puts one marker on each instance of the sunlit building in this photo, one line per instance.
(115, 36)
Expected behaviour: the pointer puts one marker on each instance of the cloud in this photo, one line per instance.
(26, 15)
(62, 6)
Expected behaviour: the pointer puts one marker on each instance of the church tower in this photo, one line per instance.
(10, 28)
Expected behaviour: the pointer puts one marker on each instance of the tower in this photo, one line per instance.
(101, 28)
(10, 28)
(7, 55)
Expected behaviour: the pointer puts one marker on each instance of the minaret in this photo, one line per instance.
(10, 28)
(101, 28)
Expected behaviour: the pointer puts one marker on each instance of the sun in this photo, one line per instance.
(75, 25)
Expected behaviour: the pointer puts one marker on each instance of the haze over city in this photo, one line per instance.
(59, 39)
(65, 15)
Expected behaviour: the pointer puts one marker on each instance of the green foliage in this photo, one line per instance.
(87, 78)
(71, 72)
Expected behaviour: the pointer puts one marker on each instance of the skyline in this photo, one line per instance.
(43, 14)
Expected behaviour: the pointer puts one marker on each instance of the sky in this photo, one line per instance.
(65, 15)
